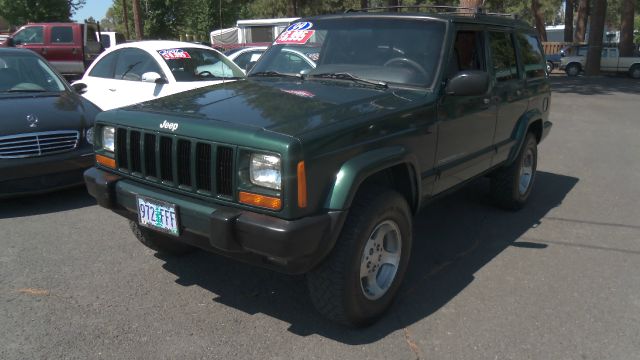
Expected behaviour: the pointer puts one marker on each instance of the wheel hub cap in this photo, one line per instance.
(526, 172)
(380, 260)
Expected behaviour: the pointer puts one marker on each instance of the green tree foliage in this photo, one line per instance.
(170, 19)
(19, 12)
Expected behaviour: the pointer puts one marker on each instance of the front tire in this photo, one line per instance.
(360, 278)
(159, 242)
(549, 67)
(512, 185)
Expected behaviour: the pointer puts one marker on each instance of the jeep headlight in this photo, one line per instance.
(265, 171)
(108, 138)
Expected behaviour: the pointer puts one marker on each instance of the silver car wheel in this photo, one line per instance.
(526, 172)
(380, 260)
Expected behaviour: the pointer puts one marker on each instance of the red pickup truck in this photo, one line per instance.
(69, 47)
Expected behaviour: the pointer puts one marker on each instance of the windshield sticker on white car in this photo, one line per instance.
(303, 25)
(294, 37)
(170, 54)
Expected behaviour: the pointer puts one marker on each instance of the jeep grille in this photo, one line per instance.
(177, 162)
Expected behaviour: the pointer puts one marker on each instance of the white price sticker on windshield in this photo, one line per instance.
(298, 37)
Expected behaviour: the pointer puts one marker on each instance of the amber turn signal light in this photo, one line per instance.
(302, 186)
(262, 201)
(106, 161)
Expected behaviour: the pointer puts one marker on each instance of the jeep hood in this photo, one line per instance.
(288, 106)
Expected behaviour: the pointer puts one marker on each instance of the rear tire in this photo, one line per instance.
(359, 279)
(573, 70)
(549, 67)
(159, 242)
(512, 185)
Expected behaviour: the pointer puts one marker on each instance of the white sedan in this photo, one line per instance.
(287, 61)
(131, 73)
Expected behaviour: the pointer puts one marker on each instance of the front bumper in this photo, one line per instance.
(290, 246)
(37, 175)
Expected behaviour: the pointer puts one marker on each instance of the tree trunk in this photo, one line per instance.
(596, 32)
(568, 21)
(393, 3)
(137, 19)
(583, 17)
(470, 4)
(538, 15)
(292, 8)
(364, 4)
(125, 16)
(626, 27)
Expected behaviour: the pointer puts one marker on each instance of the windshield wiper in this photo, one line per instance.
(348, 76)
(129, 68)
(275, 74)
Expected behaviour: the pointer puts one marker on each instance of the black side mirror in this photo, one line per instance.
(10, 42)
(468, 83)
(79, 88)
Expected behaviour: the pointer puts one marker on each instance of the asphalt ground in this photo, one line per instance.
(557, 280)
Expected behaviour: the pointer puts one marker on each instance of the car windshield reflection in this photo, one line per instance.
(394, 51)
(27, 73)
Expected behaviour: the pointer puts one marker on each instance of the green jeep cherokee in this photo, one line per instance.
(317, 161)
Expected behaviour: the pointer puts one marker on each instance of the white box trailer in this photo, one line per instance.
(250, 32)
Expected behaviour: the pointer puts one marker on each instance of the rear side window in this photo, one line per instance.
(61, 35)
(106, 40)
(104, 67)
(503, 55)
(532, 58)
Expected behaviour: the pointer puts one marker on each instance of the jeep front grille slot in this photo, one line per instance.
(134, 144)
(184, 162)
(224, 171)
(150, 167)
(195, 166)
(166, 158)
(121, 148)
(203, 166)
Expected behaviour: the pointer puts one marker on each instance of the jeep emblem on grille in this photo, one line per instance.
(32, 120)
(168, 125)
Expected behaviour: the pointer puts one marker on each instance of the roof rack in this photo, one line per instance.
(437, 9)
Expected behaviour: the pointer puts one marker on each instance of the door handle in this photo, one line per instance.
(486, 101)
(518, 92)
(74, 51)
(44, 51)
(112, 89)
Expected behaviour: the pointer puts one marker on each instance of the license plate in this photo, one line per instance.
(158, 215)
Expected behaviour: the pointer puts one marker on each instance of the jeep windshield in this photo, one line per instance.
(377, 51)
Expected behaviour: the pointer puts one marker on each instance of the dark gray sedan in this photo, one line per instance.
(45, 127)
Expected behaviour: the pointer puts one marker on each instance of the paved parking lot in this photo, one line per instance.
(557, 280)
